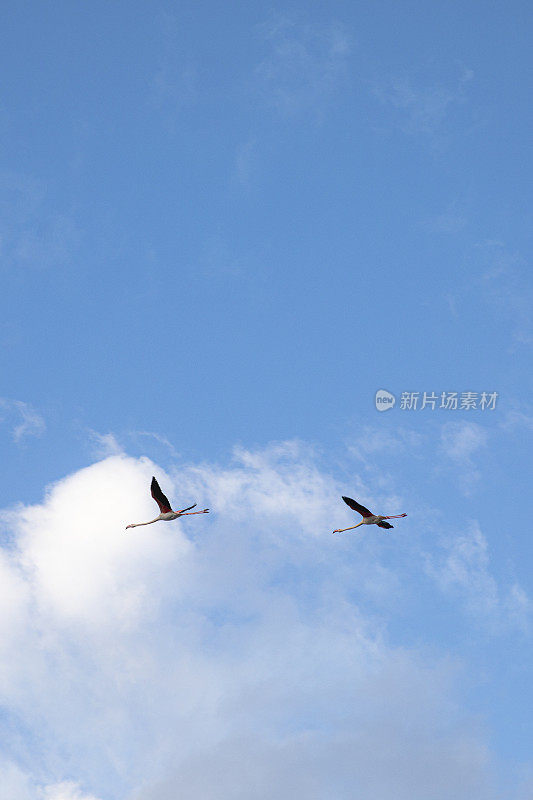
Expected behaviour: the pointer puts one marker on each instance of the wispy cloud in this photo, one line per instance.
(507, 288)
(496, 282)
(460, 442)
(420, 109)
(174, 81)
(22, 418)
(452, 220)
(103, 445)
(304, 65)
(140, 435)
(374, 439)
(32, 232)
(464, 570)
(244, 162)
(516, 419)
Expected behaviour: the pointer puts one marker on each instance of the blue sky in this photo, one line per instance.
(223, 228)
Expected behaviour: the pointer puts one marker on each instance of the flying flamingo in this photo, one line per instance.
(165, 508)
(368, 517)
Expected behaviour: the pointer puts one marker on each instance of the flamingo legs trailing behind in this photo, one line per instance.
(368, 517)
(165, 508)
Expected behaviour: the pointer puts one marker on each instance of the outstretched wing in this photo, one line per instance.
(384, 525)
(357, 507)
(159, 497)
(187, 509)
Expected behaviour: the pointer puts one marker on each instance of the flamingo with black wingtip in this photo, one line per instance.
(167, 514)
(368, 517)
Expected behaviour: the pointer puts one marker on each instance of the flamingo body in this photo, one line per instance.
(368, 517)
(167, 514)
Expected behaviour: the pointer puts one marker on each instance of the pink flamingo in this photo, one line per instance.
(368, 517)
(165, 508)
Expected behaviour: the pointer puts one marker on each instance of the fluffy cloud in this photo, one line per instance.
(237, 655)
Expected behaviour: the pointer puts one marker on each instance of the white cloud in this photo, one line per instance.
(228, 656)
(78, 567)
(22, 417)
